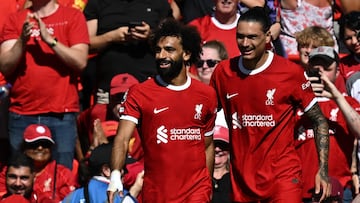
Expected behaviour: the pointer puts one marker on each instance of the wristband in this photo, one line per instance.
(115, 181)
(54, 42)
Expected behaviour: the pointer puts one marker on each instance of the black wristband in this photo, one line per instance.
(53, 43)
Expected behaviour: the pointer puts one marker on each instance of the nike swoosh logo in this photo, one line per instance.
(229, 96)
(156, 111)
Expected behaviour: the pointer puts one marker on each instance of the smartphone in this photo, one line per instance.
(314, 72)
(132, 24)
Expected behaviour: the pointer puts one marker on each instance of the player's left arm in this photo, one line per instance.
(210, 153)
(321, 130)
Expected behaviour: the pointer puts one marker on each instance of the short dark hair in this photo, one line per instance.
(257, 14)
(188, 35)
(20, 160)
(350, 20)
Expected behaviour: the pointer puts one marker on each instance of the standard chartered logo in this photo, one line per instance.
(177, 134)
(161, 135)
(257, 120)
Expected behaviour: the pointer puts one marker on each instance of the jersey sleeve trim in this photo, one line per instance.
(207, 134)
(130, 118)
(312, 103)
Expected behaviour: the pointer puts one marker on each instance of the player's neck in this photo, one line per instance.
(255, 63)
(178, 80)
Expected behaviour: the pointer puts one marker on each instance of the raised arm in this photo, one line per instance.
(351, 116)
(74, 56)
(12, 50)
(321, 130)
(120, 35)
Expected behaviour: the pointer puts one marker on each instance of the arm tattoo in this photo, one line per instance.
(321, 131)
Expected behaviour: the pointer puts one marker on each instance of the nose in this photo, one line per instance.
(354, 40)
(18, 181)
(205, 65)
(161, 54)
(245, 42)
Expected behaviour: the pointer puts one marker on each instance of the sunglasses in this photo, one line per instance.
(210, 63)
(36, 144)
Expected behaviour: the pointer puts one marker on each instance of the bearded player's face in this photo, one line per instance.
(169, 57)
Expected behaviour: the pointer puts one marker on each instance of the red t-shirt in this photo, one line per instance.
(259, 109)
(341, 144)
(42, 83)
(173, 122)
(211, 29)
(349, 65)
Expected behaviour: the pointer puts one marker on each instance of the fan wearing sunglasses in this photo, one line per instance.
(53, 181)
(212, 53)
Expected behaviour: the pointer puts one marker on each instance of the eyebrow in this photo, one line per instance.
(11, 175)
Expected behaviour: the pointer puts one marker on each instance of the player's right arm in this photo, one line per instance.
(119, 153)
(12, 50)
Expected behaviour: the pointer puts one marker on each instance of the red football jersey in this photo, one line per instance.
(211, 29)
(173, 121)
(341, 144)
(259, 107)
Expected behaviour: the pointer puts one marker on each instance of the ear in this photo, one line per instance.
(268, 36)
(105, 170)
(186, 55)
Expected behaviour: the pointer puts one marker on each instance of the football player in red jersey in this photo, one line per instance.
(259, 92)
(175, 115)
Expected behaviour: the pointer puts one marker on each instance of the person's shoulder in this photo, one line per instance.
(202, 87)
(227, 66)
(286, 64)
(69, 10)
(204, 20)
(348, 60)
(15, 198)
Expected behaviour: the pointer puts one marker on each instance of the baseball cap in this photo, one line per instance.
(121, 83)
(324, 52)
(102, 155)
(221, 137)
(337, 190)
(35, 132)
(109, 127)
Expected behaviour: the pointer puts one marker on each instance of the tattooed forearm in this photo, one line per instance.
(321, 130)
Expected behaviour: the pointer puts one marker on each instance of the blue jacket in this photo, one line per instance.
(97, 193)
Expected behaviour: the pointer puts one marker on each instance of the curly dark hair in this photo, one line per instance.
(188, 35)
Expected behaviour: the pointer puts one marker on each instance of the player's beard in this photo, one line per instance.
(173, 71)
